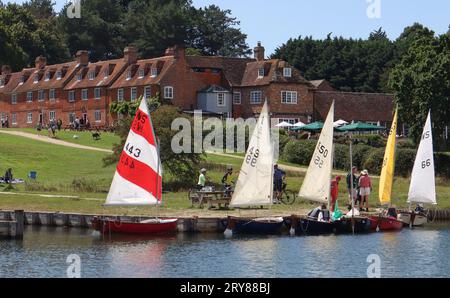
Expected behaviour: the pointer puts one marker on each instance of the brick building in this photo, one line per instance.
(238, 87)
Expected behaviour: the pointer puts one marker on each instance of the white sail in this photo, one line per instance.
(255, 183)
(138, 178)
(316, 186)
(423, 188)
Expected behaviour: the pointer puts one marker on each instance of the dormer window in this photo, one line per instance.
(2, 83)
(79, 77)
(106, 73)
(47, 76)
(261, 73)
(22, 79)
(141, 73)
(58, 75)
(91, 75)
(36, 78)
(129, 75)
(153, 72)
(287, 72)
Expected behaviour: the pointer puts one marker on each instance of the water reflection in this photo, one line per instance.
(409, 253)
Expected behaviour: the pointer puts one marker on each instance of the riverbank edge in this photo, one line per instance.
(193, 224)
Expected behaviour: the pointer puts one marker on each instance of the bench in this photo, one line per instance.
(211, 198)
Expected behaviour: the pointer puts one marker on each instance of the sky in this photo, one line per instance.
(273, 22)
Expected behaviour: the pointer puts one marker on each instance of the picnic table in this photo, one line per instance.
(211, 198)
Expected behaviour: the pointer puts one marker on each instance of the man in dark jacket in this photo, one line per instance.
(353, 195)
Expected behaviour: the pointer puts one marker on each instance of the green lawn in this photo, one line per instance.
(59, 167)
(107, 140)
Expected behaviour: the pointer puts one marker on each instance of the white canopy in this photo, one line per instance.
(299, 124)
(284, 124)
(340, 123)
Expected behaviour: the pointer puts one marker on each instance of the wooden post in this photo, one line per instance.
(19, 218)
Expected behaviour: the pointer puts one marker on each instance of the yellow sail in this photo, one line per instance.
(387, 172)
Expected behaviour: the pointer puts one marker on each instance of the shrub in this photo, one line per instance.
(360, 153)
(39, 187)
(405, 144)
(341, 157)
(299, 152)
(442, 165)
(374, 160)
(84, 185)
(376, 141)
(404, 162)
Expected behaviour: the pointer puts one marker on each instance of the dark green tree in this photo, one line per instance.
(422, 82)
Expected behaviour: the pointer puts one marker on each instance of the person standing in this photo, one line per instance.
(59, 124)
(201, 179)
(227, 181)
(352, 195)
(334, 192)
(365, 187)
(278, 176)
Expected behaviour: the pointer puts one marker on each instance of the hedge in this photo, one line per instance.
(364, 157)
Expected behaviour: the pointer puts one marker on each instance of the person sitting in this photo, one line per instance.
(419, 209)
(201, 179)
(227, 181)
(391, 212)
(320, 213)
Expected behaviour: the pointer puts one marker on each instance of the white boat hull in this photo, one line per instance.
(418, 219)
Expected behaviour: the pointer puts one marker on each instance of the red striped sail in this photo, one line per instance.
(138, 178)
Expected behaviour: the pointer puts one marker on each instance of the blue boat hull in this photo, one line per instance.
(254, 227)
(314, 227)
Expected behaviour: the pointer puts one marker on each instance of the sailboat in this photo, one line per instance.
(254, 186)
(387, 220)
(316, 186)
(137, 181)
(422, 189)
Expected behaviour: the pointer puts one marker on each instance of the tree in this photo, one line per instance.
(421, 82)
(215, 33)
(182, 167)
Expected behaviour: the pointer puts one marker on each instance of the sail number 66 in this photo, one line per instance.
(426, 163)
(252, 157)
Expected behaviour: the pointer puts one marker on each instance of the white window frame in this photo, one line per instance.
(106, 73)
(153, 72)
(97, 93)
(147, 92)
(91, 75)
(14, 98)
(253, 97)
(221, 97)
(41, 95)
(71, 96)
(51, 115)
(30, 96)
(237, 95)
(14, 119)
(30, 118)
(2, 82)
(79, 77)
(98, 113)
(52, 94)
(129, 76)
(133, 93)
(141, 73)
(84, 94)
(47, 76)
(168, 92)
(261, 72)
(120, 95)
(287, 72)
(289, 97)
(36, 79)
(58, 75)
(73, 116)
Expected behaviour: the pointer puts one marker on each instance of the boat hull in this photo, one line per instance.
(308, 226)
(160, 226)
(255, 226)
(417, 219)
(345, 225)
(385, 223)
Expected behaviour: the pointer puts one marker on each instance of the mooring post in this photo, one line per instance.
(19, 217)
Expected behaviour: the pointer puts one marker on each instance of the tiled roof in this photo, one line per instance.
(213, 88)
(273, 73)
(322, 85)
(233, 68)
(161, 64)
(112, 67)
(12, 80)
(366, 107)
(66, 70)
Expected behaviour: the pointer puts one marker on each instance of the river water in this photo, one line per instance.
(422, 252)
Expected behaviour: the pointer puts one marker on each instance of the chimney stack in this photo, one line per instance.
(40, 62)
(83, 57)
(6, 70)
(177, 51)
(259, 52)
(130, 55)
